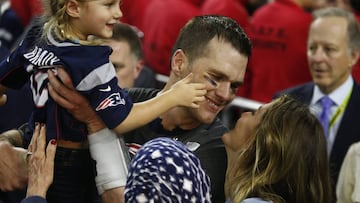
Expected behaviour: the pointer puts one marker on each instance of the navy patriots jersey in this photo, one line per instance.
(92, 74)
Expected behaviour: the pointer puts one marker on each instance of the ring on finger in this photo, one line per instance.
(27, 155)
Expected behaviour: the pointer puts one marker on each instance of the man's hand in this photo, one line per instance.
(64, 94)
(13, 167)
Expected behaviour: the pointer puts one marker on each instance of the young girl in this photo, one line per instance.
(63, 41)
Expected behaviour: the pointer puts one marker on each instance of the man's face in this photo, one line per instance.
(125, 63)
(329, 56)
(222, 69)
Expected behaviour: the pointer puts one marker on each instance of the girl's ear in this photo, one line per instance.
(72, 8)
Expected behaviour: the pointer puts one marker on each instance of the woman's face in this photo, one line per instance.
(243, 132)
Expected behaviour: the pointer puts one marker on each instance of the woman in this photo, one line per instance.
(277, 154)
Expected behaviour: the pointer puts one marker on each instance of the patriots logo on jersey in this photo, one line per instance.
(113, 100)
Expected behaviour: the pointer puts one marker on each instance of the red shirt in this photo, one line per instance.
(133, 12)
(162, 23)
(230, 8)
(27, 9)
(279, 32)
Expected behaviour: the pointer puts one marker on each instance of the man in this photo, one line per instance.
(333, 49)
(127, 57)
(218, 60)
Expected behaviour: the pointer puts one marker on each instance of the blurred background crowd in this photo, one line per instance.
(278, 30)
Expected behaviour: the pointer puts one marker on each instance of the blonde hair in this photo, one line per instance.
(58, 21)
(287, 161)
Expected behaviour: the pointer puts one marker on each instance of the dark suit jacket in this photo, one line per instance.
(349, 129)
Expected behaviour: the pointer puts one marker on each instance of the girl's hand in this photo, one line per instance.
(186, 93)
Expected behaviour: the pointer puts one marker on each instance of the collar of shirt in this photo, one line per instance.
(337, 96)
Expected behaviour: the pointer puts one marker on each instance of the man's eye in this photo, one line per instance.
(212, 81)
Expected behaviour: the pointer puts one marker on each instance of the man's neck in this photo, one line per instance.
(178, 117)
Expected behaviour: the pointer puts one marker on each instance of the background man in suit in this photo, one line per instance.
(333, 49)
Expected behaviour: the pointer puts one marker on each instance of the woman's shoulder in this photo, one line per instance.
(255, 200)
(252, 200)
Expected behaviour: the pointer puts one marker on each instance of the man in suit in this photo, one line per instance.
(332, 51)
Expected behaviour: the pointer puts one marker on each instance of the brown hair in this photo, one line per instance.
(287, 161)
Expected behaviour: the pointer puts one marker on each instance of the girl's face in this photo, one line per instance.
(97, 17)
(243, 132)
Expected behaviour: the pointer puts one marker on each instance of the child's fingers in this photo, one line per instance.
(199, 99)
(201, 92)
(195, 105)
(198, 86)
(188, 78)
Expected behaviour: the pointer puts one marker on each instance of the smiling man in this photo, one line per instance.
(216, 51)
(217, 58)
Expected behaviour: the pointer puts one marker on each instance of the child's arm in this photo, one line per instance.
(183, 93)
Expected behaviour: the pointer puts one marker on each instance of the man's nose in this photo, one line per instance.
(223, 90)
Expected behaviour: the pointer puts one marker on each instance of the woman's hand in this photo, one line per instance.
(41, 163)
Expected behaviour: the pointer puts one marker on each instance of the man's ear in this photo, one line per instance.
(72, 8)
(138, 68)
(356, 56)
(179, 63)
